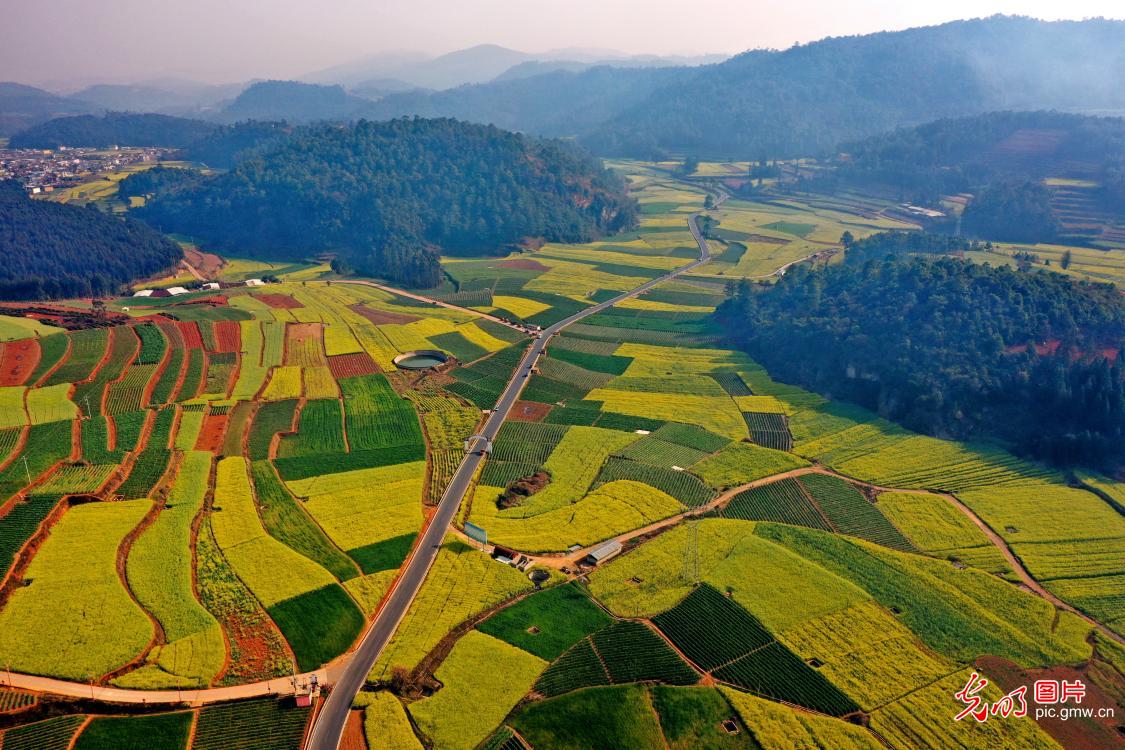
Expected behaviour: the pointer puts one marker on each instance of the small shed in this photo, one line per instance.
(211, 285)
(176, 291)
(254, 282)
(143, 293)
(603, 552)
(304, 700)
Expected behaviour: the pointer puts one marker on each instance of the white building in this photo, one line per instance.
(143, 293)
(211, 286)
(175, 291)
(254, 282)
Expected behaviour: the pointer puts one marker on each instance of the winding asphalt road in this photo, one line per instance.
(329, 726)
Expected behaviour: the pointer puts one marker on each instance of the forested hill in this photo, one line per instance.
(53, 250)
(948, 347)
(962, 154)
(114, 128)
(388, 197)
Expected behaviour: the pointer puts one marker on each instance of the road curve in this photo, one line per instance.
(329, 726)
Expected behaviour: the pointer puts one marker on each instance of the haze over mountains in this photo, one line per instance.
(801, 101)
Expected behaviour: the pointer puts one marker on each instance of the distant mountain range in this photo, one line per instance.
(805, 100)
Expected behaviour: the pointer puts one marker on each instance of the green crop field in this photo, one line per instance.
(158, 732)
(547, 623)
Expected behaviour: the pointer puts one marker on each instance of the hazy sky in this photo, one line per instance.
(46, 41)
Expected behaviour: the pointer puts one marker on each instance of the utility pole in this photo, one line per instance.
(88, 412)
(27, 470)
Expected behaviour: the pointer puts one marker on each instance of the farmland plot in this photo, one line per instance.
(76, 621)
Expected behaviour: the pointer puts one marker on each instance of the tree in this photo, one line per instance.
(847, 238)
(1065, 263)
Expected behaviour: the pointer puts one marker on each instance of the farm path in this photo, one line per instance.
(280, 686)
(571, 559)
(329, 726)
(430, 300)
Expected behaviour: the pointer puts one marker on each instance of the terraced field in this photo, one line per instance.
(227, 497)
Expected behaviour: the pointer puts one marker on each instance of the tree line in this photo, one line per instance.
(390, 197)
(52, 250)
(948, 347)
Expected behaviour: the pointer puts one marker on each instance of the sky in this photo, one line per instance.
(66, 42)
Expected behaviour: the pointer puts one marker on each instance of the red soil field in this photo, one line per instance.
(382, 317)
(524, 264)
(529, 411)
(228, 336)
(190, 333)
(279, 301)
(212, 433)
(208, 264)
(17, 360)
(1075, 734)
(351, 365)
(353, 737)
(302, 331)
(217, 300)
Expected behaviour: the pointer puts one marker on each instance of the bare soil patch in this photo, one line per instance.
(1074, 733)
(351, 365)
(212, 433)
(228, 336)
(382, 317)
(279, 301)
(17, 360)
(190, 333)
(304, 331)
(353, 737)
(208, 264)
(529, 411)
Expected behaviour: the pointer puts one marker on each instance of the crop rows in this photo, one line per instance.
(304, 351)
(459, 346)
(52, 734)
(51, 350)
(128, 393)
(443, 465)
(189, 331)
(732, 383)
(584, 346)
(483, 381)
(129, 427)
(270, 419)
(352, 365)
(86, 350)
(152, 462)
(776, 672)
(20, 523)
(711, 629)
(320, 431)
(11, 700)
(319, 382)
(9, 438)
(193, 375)
(631, 652)
(220, 369)
(46, 444)
(77, 479)
(781, 502)
(590, 414)
(503, 473)
(574, 374)
(527, 442)
(656, 452)
(691, 436)
(262, 724)
(682, 485)
(153, 344)
(550, 391)
(376, 416)
(769, 430)
(623, 652)
(227, 335)
(602, 363)
(165, 387)
(848, 510)
(123, 346)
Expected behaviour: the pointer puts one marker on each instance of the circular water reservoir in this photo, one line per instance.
(420, 360)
